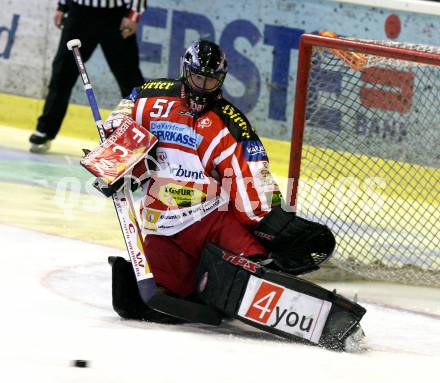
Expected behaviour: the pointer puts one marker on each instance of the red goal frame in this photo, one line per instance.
(307, 42)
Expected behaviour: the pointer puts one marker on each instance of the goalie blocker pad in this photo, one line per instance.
(275, 302)
(117, 155)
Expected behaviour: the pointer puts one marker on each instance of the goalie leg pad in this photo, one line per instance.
(161, 308)
(126, 299)
(275, 302)
(221, 284)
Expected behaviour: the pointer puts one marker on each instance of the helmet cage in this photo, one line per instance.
(203, 81)
(203, 72)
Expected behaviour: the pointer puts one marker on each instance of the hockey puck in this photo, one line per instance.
(80, 363)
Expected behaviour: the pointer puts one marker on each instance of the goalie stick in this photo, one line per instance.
(123, 202)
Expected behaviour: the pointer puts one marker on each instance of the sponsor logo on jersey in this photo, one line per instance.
(261, 172)
(174, 195)
(150, 219)
(287, 310)
(186, 113)
(167, 221)
(161, 157)
(274, 198)
(205, 122)
(235, 115)
(173, 133)
(211, 204)
(254, 151)
(181, 172)
(154, 84)
(195, 106)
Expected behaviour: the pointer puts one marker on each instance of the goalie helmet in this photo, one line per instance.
(203, 71)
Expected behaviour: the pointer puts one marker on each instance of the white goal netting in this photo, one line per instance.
(370, 162)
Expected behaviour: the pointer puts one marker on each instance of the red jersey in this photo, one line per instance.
(203, 162)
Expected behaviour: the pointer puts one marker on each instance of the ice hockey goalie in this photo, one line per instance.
(218, 238)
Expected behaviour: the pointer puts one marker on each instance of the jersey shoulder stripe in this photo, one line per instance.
(162, 87)
(237, 123)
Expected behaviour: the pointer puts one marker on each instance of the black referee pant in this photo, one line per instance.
(92, 26)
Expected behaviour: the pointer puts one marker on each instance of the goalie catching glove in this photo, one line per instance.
(120, 155)
(297, 245)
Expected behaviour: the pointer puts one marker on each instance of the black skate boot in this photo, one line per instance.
(40, 143)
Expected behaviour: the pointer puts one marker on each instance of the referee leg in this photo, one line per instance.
(122, 56)
(64, 75)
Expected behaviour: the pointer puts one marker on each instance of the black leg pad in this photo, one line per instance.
(126, 299)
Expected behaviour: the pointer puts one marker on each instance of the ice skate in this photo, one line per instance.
(40, 143)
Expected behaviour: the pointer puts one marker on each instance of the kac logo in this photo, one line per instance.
(204, 123)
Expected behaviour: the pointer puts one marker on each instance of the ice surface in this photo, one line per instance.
(56, 307)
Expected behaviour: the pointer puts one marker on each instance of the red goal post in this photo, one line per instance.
(365, 153)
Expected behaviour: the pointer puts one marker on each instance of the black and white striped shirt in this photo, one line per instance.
(137, 6)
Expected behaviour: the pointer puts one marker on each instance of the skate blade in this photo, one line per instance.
(39, 149)
(355, 342)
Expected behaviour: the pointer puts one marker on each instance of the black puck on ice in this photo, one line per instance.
(80, 363)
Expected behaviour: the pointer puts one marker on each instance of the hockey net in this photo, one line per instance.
(365, 154)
